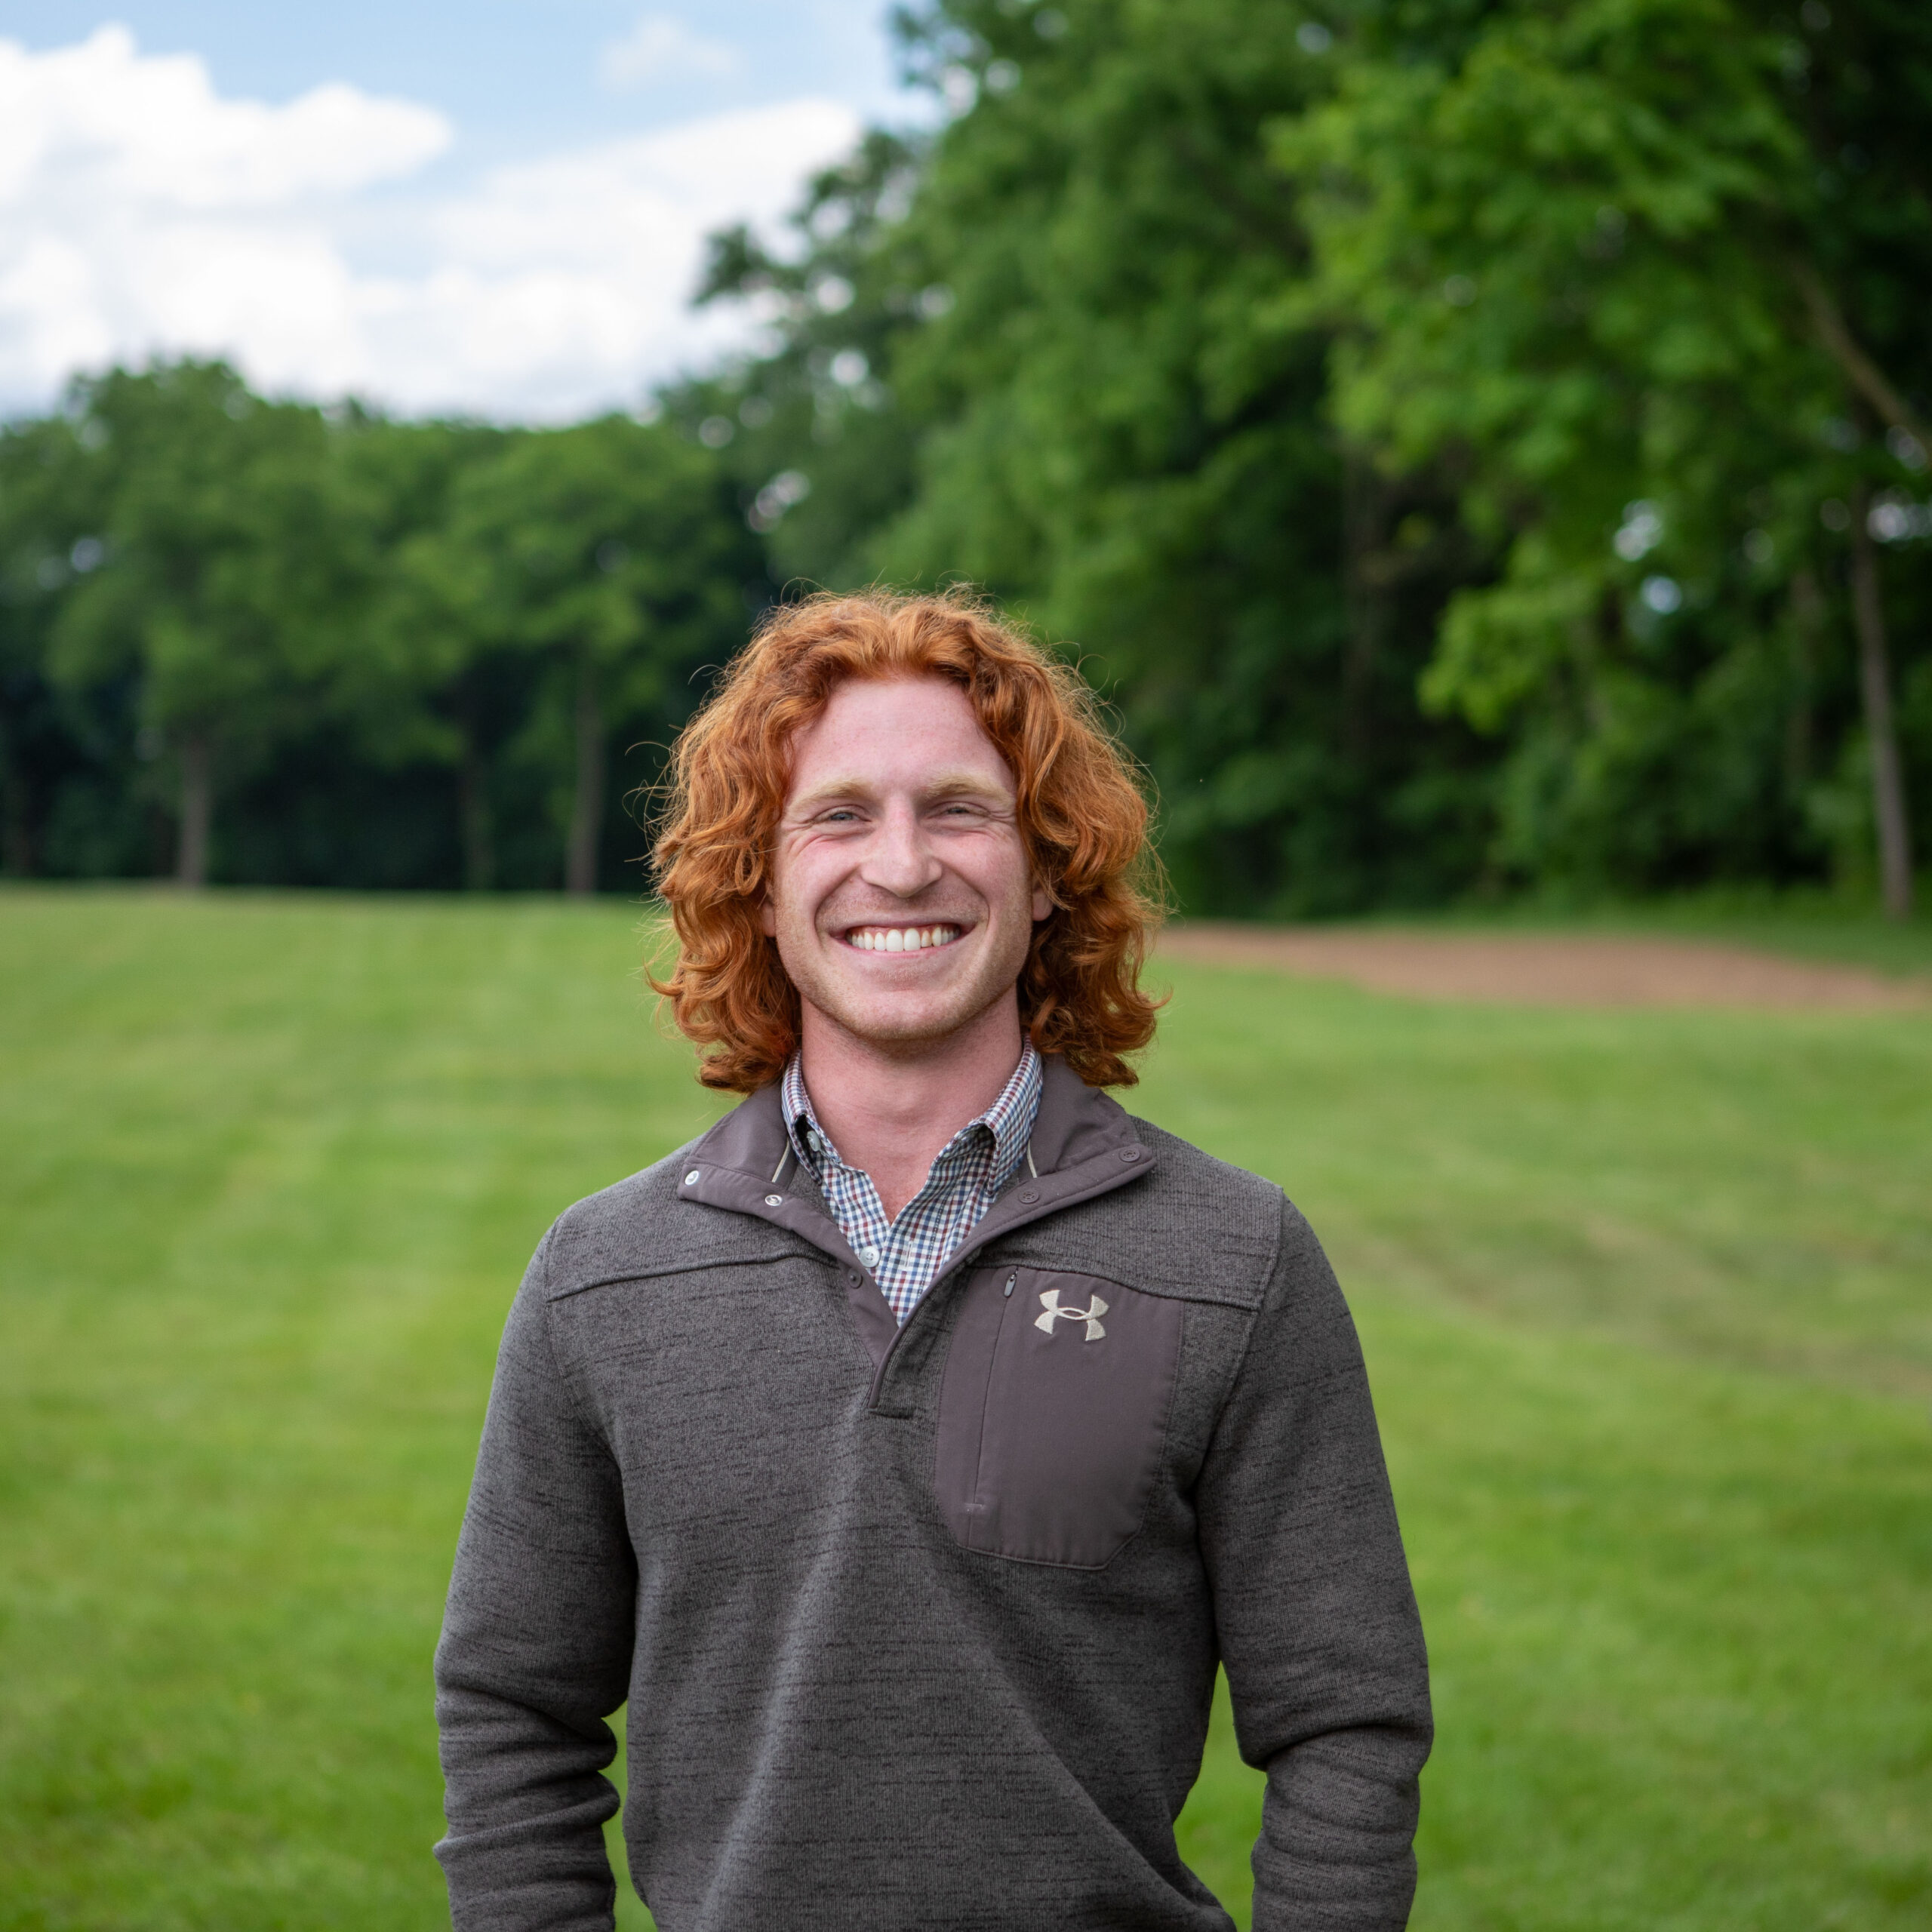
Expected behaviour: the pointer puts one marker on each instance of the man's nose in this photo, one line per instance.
(899, 860)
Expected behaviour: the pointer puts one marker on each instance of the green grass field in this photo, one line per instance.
(1646, 1299)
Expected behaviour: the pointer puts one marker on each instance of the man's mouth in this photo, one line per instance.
(901, 939)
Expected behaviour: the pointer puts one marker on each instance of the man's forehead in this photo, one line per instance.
(876, 736)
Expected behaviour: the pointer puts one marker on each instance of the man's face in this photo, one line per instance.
(901, 898)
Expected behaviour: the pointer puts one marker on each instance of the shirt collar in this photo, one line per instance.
(1010, 1119)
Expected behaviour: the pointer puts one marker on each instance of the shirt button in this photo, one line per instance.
(869, 1256)
(1029, 1194)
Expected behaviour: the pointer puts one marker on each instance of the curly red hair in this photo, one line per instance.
(1081, 815)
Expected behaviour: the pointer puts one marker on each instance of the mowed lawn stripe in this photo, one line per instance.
(1644, 1297)
(1645, 1301)
(279, 1166)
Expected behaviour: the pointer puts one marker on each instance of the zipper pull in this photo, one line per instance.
(1009, 1280)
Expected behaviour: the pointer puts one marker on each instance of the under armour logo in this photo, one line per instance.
(1050, 1301)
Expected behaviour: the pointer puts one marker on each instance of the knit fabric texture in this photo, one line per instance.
(917, 1625)
(905, 1255)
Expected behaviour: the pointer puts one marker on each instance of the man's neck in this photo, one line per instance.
(891, 1110)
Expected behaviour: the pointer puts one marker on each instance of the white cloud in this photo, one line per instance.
(560, 282)
(141, 213)
(661, 48)
(102, 119)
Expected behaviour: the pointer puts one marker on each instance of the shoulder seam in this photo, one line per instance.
(667, 1269)
(566, 1381)
(1254, 1313)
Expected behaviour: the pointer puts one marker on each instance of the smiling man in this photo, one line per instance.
(908, 1451)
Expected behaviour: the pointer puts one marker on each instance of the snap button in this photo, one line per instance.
(690, 1179)
(774, 1200)
(1130, 1154)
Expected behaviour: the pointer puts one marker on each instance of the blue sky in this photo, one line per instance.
(516, 80)
(494, 208)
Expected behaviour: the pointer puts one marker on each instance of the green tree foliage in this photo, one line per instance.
(425, 688)
(1651, 274)
(393, 653)
(612, 556)
(822, 454)
(46, 539)
(1070, 374)
(1554, 366)
(219, 577)
(1478, 445)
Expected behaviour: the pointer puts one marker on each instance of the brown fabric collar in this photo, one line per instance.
(1075, 1123)
(1083, 1144)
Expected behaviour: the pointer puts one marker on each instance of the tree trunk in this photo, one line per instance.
(479, 851)
(16, 811)
(1876, 678)
(1808, 625)
(191, 861)
(587, 808)
(1361, 520)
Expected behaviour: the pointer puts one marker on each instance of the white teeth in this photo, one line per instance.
(901, 939)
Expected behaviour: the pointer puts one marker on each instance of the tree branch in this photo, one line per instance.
(1843, 347)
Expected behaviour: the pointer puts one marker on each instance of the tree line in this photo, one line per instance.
(1477, 447)
(296, 644)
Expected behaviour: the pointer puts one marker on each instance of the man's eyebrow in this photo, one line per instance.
(965, 782)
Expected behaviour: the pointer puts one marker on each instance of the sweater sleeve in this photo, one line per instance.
(535, 1652)
(1318, 1625)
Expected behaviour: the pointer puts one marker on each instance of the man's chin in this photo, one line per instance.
(909, 1031)
(904, 1024)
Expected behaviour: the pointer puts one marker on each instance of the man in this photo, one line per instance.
(910, 1450)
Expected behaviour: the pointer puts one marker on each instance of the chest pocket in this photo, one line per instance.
(1053, 1414)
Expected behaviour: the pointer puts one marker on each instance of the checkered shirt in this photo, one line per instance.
(905, 1256)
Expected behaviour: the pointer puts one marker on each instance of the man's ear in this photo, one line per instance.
(768, 917)
(1042, 905)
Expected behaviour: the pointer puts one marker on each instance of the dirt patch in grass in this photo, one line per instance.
(1545, 969)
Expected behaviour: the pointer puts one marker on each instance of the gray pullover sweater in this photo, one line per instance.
(919, 1626)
